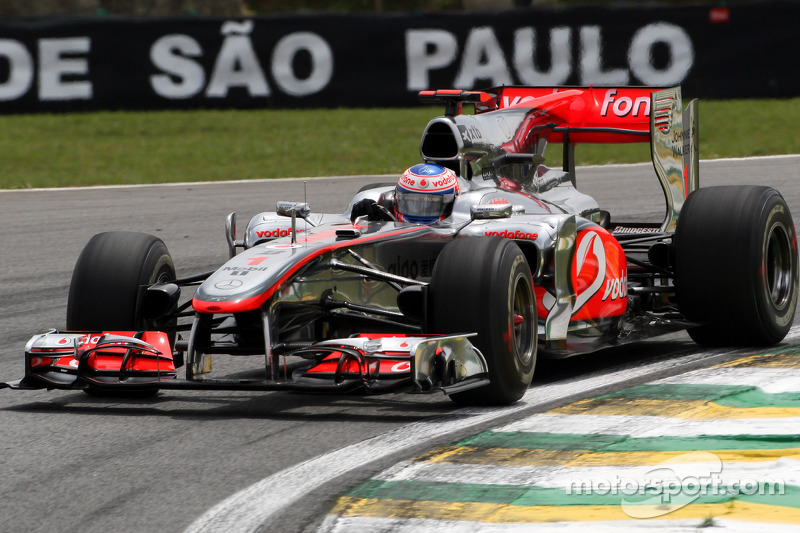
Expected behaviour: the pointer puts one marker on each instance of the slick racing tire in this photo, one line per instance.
(105, 293)
(736, 265)
(483, 285)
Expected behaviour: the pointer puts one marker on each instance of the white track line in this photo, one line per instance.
(398, 525)
(255, 505)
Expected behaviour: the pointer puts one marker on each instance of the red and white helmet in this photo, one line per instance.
(425, 193)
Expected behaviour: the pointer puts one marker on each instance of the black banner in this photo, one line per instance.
(738, 51)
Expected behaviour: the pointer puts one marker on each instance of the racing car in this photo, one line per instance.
(454, 278)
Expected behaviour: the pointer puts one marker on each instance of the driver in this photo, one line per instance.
(425, 194)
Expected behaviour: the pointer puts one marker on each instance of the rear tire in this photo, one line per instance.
(737, 265)
(483, 285)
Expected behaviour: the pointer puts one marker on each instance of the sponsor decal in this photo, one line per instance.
(404, 366)
(423, 169)
(590, 262)
(498, 201)
(512, 234)
(599, 278)
(69, 341)
(243, 270)
(616, 287)
(623, 106)
(85, 339)
(470, 133)
(633, 230)
(424, 177)
(246, 269)
(90, 340)
(228, 284)
(411, 268)
(277, 232)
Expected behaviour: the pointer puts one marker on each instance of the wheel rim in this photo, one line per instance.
(524, 321)
(779, 266)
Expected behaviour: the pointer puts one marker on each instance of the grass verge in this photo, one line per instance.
(112, 148)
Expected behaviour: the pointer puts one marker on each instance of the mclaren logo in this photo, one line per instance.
(590, 254)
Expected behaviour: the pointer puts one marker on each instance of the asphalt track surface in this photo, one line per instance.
(71, 462)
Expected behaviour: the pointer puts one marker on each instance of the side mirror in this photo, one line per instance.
(230, 234)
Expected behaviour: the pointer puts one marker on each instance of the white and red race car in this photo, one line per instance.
(519, 264)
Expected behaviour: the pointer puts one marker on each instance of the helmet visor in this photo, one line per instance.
(416, 204)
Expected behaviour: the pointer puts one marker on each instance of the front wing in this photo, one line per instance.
(141, 361)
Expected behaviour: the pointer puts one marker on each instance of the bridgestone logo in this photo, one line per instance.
(619, 230)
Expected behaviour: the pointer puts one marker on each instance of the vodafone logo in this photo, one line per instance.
(277, 232)
(429, 178)
(625, 106)
(90, 340)
(511, 234)
(616, 287)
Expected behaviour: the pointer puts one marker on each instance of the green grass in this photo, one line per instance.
(175, 146)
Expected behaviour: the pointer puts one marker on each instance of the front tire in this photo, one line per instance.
(483, 285)
(737, 265)
(106, 289)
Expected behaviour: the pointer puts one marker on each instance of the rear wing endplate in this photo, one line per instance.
(674, 147)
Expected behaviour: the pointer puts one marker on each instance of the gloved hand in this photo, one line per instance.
(371, 209)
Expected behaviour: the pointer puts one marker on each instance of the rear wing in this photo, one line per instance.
(523, 120)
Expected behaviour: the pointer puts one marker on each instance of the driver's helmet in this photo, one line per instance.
(425, 193)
